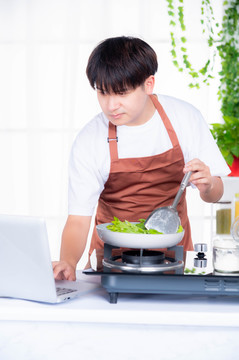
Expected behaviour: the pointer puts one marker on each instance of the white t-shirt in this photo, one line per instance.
(89, 163)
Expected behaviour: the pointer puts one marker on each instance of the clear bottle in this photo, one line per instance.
(223, 217)
(236, 205)
(225, 255)
(226, 251)
(235, 230)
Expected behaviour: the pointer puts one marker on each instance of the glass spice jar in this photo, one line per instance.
(226, 251)
(225, 255)
(236, 205)
(223, 217)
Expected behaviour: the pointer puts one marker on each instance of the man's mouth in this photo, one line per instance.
(116, 116)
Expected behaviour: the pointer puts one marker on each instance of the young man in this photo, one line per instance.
(131, 158)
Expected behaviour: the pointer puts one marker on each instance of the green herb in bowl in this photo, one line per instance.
(128, 227)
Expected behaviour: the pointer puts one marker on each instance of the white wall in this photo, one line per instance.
(45, 97)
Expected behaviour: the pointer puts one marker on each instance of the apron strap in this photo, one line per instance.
(171, 133)
(112, 140)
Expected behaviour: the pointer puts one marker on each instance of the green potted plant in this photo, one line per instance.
(227, 138)
(227, 133)
(226, 44)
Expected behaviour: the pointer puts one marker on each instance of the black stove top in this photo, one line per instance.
(144, 271)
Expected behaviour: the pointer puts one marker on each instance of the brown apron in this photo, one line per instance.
(136, 186)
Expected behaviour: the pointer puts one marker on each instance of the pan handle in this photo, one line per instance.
(183, 185)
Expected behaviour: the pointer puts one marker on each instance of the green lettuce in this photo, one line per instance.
(128, 227)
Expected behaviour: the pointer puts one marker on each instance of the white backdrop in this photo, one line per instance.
(45, 97)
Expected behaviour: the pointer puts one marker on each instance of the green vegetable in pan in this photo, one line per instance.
(128, 227)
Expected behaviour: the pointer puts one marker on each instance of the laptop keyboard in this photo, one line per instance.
(63, 291)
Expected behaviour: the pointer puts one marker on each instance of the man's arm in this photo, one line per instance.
(215, 192)
(74, 239)
(210, 187)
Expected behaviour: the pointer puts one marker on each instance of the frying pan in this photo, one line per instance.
(137, 241)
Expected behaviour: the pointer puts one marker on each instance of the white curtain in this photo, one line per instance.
(45, 97)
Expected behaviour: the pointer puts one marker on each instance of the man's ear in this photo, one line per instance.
(149, 84)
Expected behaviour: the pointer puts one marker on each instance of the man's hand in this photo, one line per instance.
(63, 271)
(74, 238)
(210, 187)
(201, 176)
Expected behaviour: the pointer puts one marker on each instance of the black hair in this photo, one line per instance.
(121, 63)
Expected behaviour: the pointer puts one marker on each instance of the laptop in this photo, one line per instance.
(25, 263)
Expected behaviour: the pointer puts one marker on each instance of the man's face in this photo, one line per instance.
(130, 108)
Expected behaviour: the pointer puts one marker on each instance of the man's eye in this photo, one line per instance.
(101, 92)
(122, 93)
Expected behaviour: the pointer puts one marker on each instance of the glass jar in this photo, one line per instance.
(235, 230)
(226, 255)
(236, 205)
(223, 217)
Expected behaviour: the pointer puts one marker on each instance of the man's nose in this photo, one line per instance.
(113, 103)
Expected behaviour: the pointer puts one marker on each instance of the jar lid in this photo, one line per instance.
(225, 243)
(223, 202)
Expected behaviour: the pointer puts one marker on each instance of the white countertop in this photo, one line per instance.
(92, 306)
(89, 327)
